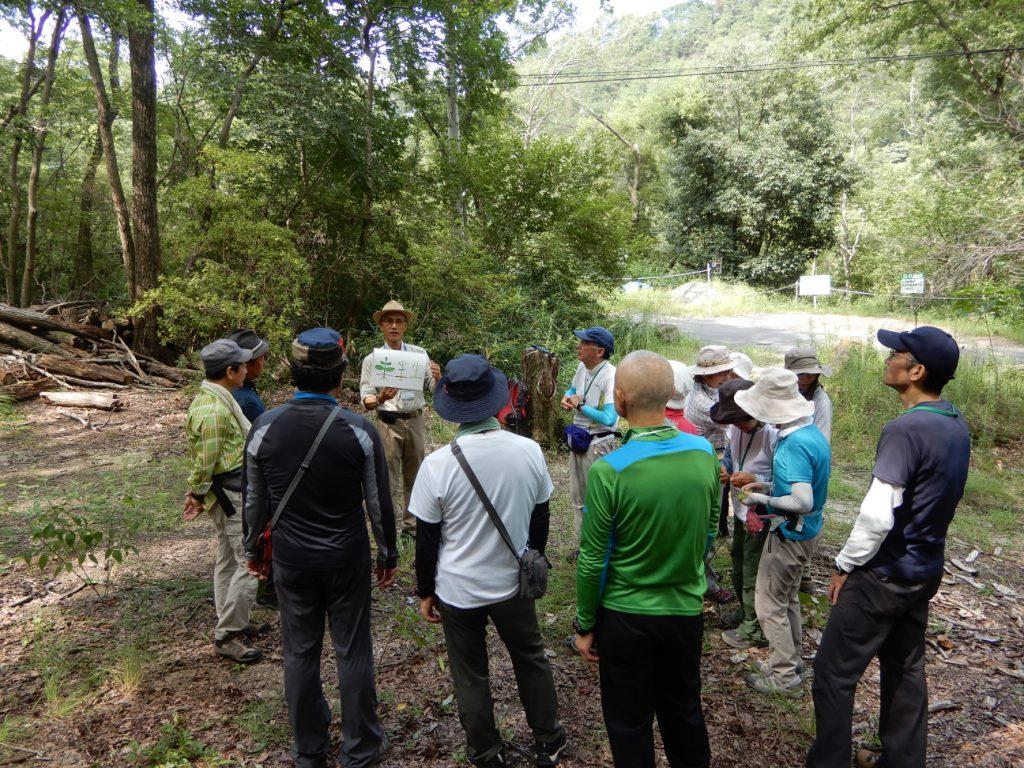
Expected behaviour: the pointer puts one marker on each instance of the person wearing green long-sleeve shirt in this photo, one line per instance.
(651, 512)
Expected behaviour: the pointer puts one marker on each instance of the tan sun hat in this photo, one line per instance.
(712, 359)
(775, 398)
(805, 360)
(394, 307)
(744, 365)
(682, 383)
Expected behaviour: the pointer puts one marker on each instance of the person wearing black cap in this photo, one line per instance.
(466, 573)
(891, 566)
(591, 398)
(216, 428)
(321, 550)
(247, 395)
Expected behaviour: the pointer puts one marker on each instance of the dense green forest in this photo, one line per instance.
(217, 163)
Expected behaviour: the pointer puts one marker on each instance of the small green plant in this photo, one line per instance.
(176, 748)
(9, 418)
(129, 669)
(63, 540)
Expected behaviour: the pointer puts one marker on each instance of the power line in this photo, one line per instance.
(612, 76)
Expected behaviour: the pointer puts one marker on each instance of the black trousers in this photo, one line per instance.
(650, 666)
(465, 634)
(305, 598)
(879, 616)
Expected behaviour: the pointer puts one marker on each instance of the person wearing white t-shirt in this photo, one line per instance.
(465, 572)
(592, 399)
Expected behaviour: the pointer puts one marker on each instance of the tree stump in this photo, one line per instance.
(543, 413)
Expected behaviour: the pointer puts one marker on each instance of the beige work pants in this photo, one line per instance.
(579, 468)
(777, 604)
(234, 589)
(403, 446)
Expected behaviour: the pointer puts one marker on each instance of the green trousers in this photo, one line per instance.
(746, 555)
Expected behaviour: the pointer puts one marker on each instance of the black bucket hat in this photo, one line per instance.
(247, 338)
(470, 390)
(725, 411)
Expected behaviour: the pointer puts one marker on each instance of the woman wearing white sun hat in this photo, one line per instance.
(799, 487)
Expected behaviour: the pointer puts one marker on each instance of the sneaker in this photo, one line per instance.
(733, 638)
(496, 761)
(548, 753)
(807, 585)
(732, 619)
(382, 751)
(254, 629)
(763, 684)
(232, 647)
(867, 759)
(719, 595)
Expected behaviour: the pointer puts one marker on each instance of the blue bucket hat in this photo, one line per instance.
(932, 347)
(598, 335)
(319, 348)
(470, 390)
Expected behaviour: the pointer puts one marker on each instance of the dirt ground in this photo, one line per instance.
(127, 676)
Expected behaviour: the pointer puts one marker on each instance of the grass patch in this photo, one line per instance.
(176, 748)
(265, 722)
(10, 419)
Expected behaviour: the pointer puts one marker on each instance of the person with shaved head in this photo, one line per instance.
(651, 509)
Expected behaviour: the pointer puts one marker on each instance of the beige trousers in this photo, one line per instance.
(403, 446)
(234, 589)
(777, 604)
(579, 467)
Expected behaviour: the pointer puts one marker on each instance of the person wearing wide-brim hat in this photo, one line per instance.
(466, 574)
(748, 459)
(247, 395)
(713, 368)
(400, 416)
(800, 472)
(804, 362)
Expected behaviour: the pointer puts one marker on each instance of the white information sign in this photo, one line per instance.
(398, 368)
(912, 283)
(816, 285)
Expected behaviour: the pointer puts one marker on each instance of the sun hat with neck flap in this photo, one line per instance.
(471, 390)
(712, 359)
(775, 398)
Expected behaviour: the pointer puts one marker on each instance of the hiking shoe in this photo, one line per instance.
(807, 585)
(496, 761)
(763, 684)
(720, 595)
(232, 647)
(382, 751)
(867, 759)
(732, 619)
(254, 629)
(736, 640)
(548, 753)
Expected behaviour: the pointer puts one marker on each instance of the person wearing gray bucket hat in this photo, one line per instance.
(247, 395)
(803, 361)
(466, 572)
(795, 500)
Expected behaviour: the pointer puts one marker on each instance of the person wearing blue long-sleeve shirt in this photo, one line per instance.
(591, 397)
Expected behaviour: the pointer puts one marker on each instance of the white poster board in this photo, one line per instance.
(816, 285)
(398, 368)
(912, 283)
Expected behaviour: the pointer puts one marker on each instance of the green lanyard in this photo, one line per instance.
(932, 409)
(592, 380)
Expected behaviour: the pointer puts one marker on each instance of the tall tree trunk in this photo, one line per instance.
(42, 129)
(83, 261)
(14, 223)
(142, 57)
(454, 131)
(370, 52)
(106, 120)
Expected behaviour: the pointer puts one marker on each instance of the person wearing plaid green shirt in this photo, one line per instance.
(216, 430)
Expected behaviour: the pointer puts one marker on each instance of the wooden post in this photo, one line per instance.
(709, 281)
(540, 378)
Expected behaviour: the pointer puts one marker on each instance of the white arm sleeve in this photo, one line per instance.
(873, 524)
(800, 500)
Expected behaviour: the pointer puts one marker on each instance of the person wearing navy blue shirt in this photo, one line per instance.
(247, 395)
(321, 548)
(891, 565)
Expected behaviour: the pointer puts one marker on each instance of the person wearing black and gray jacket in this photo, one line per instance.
(321, 549)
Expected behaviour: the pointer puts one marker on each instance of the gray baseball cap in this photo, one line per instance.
(222, 353)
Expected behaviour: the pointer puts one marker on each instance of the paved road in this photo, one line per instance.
(780, 332)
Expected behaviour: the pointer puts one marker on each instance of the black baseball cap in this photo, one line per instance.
(932, 347)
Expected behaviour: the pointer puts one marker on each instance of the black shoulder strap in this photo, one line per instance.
(491, 511)
(304, 466)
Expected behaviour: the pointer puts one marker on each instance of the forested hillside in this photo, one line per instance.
(213, 164)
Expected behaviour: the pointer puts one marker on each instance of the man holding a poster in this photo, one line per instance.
(392, 381)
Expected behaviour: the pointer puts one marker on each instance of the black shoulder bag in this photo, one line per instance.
(533, 566)
(264, 548)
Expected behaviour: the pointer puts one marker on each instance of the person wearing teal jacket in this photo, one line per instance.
(651, 511)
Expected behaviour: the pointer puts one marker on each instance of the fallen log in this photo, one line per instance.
(99, 400)
(26, 390)
(82, 370)
(51, 323)
(29, 342)
(178, 375)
